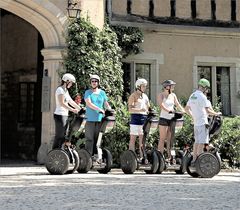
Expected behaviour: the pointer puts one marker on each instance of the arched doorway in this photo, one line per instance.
(48, 22)
(21, 74)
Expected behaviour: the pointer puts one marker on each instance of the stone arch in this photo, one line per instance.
(51, 23)
(48, 19)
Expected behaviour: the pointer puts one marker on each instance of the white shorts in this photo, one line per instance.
(136, 130)
(201, 134)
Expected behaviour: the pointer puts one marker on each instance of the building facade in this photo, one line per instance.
(32, 44)
(183, 41)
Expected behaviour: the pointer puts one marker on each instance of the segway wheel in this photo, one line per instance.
(75, 162)
(57, 162)
(191, 173)
(85, 161)
(207, 165)
(107, 159)
(161, 165)
(183, 161)
(128, 162)
(154, 161)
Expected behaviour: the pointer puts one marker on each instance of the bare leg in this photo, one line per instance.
(169, 136)
(132, 142)
(163, 136)
(200, 149)
(141, 145)
(194, 151)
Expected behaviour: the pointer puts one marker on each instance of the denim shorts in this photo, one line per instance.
(164, 122)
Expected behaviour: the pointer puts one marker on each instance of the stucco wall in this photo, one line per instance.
(140, 7)
(94, 9)
(179, 50)
(223, 10)
(119, 7)
(238, 9)
(183, 9)
(162, 8)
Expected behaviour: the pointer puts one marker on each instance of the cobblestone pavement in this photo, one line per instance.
(31, 187)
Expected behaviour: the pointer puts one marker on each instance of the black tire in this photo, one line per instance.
(193, 174)
(85, 161)
(161, 165)
(207, 165)
(76, 162)
(217, 155)
(107, 159)
(57, 162)
(183, 161)
(154, 161)
(128, 162)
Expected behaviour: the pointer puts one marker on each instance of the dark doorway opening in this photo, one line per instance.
(21, 80)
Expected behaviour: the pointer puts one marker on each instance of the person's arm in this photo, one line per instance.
(74, 104)
(64, 104)
(93, 106)
(160, 102)
(210, 111)
(188, 110)
(178, 105)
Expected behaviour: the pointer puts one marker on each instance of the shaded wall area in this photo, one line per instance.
(21, 73)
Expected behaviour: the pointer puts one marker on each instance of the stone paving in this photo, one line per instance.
(31, 187)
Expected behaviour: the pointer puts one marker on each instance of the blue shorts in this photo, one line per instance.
(138, 119)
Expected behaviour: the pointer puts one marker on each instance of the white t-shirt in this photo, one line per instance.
(198, 103)
(59, 109)
(169, 104)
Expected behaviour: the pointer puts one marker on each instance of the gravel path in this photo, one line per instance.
(31, 187)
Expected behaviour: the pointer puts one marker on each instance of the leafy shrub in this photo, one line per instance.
(228, 141)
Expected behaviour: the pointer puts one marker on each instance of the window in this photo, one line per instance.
(26, 102)
(220, 85)
(133, 71)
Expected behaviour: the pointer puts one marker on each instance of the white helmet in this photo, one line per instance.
(68, 78)
(94, 76)
(140, 82)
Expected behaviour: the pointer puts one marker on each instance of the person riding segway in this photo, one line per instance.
(204, 162)
(140, 124)
(63, 154)
(167, 101)
(98, 122)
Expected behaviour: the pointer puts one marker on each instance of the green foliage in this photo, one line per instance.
(117, 140)
(129, 39)
(94, 51)
(228, 141)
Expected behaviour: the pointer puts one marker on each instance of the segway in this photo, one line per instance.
(179, 158)
(65, 160)
(129, 159)
(102, 161)
(208, 163)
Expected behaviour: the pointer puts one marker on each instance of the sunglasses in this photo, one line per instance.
(93, 81)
